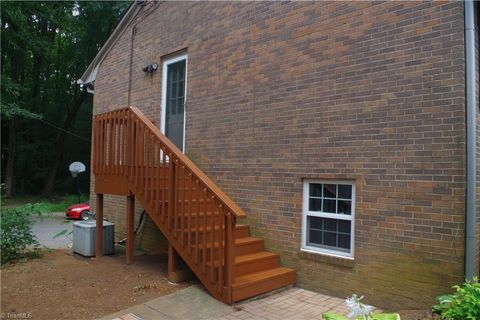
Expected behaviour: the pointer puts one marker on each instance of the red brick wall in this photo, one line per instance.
(277, 92)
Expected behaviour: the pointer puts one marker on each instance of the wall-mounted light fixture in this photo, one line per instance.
(150, 68)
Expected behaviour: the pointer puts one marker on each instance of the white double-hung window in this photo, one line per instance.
(328, 217)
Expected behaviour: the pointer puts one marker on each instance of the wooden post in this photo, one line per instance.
(99, 226)
(129, 226)
(178, 270)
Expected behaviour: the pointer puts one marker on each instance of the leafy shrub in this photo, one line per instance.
(16, 232)
(464, 304)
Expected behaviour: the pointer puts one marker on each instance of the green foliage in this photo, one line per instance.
(464, 304)
(42, 205)
(45, 47)
(16, 233)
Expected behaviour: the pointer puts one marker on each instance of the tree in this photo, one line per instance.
(46, 46)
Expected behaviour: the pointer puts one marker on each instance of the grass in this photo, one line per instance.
(41, 204)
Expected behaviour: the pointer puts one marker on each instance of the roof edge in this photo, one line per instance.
(90, 74)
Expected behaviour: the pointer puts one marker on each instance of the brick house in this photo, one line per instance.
(339, 127)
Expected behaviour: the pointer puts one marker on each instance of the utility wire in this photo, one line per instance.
(61, 129)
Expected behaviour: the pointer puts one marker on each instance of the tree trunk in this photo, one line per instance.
(10, 170)
(60, 144)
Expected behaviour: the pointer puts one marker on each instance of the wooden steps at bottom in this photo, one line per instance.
(256, 283)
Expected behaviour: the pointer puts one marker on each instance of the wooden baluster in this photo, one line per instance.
(159, 191)
(212, 239)
(142, 158)
(189, 213)
(137, 154)
(124, 144)
(173, 194)
(95, 146)
(164, 183)
(203, 226)
(197, 211)
(182, 206)
(149, 167)
(101, 147)
(115, 146)
(128, 150)
(111, 148)
(152, 160)
(221, 251)
(229, 254)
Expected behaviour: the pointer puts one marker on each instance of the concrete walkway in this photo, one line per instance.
(193, 303)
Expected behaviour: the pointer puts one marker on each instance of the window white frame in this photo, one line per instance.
(163, 112)
(306, 212)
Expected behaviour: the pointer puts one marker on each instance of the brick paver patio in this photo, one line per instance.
(294, 303)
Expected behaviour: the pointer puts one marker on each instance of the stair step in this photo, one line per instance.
(243, 246)
(256, 283)
(248, 245)
(241, 231)
(255, 262)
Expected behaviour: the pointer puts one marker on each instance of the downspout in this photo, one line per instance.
(471, 174)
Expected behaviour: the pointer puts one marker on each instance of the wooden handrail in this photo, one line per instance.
(225, 199)
(195, 215)
(235, 209)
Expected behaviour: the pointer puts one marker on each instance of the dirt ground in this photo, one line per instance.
(63, 285)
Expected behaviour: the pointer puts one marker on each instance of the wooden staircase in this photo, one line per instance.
(131, 157)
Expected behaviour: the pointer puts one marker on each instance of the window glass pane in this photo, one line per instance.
(345, 191)
(344, 241)
(174, 73)
(344, 226)
(330, 190)
(314, 237)
(330, 239)
(181, 89)
(329, 205)
(174, 91)
(181, 70)
(315, 222)
(315, 204)
(315, 190)
(180, 105)
(344, 207)
(173, 106)
(330, 224)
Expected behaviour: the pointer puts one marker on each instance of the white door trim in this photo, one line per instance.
(165, 65)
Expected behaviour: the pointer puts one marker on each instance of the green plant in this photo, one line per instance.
(16, 233)
(464, 304)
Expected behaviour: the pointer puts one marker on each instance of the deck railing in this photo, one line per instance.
(194, 214)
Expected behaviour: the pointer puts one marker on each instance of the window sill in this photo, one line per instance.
(327, 258)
